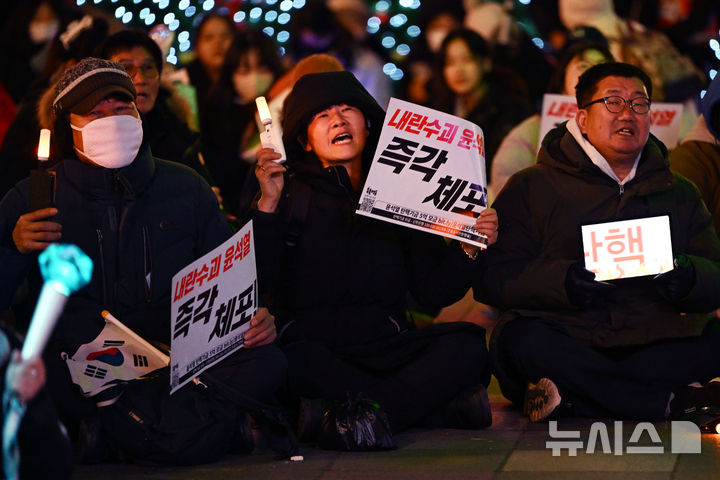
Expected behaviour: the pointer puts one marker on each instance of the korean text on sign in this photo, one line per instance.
(213, 301)
(628, 248)
(428, 173)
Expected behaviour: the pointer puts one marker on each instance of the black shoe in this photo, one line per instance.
(470, 409)
(92, 445)
(243, 440)
(310, 414)
(542, 399)
(705, 400)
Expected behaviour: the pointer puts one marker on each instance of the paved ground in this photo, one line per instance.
(511, 448)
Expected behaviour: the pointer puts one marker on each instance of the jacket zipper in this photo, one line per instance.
(339, 181)
(622, 188)
(102, 264)
(147, 263)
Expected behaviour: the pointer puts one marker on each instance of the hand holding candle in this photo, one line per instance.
(270, 137)
(42, 180)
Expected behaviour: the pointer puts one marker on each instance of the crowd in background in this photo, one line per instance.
(473, 59)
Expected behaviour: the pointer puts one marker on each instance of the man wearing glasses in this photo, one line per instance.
(167, 116)
(566, 344)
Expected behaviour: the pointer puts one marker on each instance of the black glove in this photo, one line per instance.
(678, 282)
(582, 289)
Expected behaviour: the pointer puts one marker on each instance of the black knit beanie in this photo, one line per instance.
(314, 93)
(82, 86)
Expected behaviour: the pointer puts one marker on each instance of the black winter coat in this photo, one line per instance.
(339, 278)
(144, 221)
(540, 210)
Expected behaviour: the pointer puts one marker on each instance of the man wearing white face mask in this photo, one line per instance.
(139, 218)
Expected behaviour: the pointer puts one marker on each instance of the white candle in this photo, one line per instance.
(44, 145)
(263, 110)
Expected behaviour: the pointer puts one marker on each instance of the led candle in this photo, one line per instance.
(263, 110)
(44, 145)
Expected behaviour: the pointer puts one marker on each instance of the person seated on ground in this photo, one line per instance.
(575, 346)
(519, 147)
(40, 435)
(337, 281)
(698, 156)
(166, 114)
(140, 219)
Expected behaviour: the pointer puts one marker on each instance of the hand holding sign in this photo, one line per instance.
(487, 224)
(582, 288)
(428, 173)
(678, 282)
(262, 329)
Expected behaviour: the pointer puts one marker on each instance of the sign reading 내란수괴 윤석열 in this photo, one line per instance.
(428, 173)
(212, 302)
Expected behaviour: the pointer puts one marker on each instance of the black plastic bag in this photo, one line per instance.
(356, 425)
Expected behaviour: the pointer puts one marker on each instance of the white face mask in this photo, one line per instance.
(111, 142)
(249, 86)
(41, 32)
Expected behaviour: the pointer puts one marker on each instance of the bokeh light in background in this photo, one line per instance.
(393, 23)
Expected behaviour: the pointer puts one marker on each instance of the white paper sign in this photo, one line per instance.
(628, 248)
(213, 300)
(664, 117)
(428, 173)
(556, 109)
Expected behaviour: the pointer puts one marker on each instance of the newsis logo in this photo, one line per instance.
(685, 437)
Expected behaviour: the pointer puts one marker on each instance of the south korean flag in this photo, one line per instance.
(116, 355)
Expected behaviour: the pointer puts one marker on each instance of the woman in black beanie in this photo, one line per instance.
(337, 282)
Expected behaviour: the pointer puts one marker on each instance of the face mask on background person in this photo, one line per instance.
(249, 86)
(113, 141)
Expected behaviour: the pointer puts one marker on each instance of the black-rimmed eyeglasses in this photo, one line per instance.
(616, 104)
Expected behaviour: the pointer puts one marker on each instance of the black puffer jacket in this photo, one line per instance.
(540, 210)
(331, 275)
(342, 278)
(146, 220)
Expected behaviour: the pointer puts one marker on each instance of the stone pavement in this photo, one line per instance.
(512, 448)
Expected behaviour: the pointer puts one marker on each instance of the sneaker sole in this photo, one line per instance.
(541, 400)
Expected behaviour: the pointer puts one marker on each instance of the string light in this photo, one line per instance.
(392, 22)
